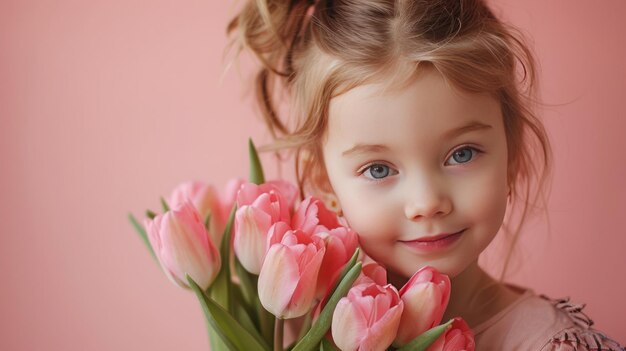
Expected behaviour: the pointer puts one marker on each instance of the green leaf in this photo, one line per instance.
(150, 214)
(424, 340)
(248, 283)
(267, 321)
(222, 286)
(217, 340)
(233, 334)
(264, 319)
(242, 312)
(311, 340)
(347, 268)
(142, 233)
(326, 345)
(256, 169)
(164, 204)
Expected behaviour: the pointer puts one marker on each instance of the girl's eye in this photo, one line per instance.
(377, 171)
(464, 154)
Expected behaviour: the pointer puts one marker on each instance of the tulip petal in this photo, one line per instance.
(278, 279)
(323, 322)
(305, 292)
(287, 190)
(229, 198)
(426, 297)
(182, 246)
(382, 333)
(251, 227)
(247, 193)
(335, 258)
(188, 254)
(422, 311)
(347, 325)
(368, 318)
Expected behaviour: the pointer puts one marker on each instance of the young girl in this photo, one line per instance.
(416, 119)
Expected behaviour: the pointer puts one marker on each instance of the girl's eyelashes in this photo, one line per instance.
(464, 154)
(378, 171)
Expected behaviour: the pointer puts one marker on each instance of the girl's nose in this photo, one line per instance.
(427, 201)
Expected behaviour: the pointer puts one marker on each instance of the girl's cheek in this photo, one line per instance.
(483, 201)
(371, 226)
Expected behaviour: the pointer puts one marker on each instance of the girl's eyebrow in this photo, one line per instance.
(469, 127)
(363, 148)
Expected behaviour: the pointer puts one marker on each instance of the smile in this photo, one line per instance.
(435, 243)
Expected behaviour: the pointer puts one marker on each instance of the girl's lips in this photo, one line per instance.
(436, 237)
(434, 243)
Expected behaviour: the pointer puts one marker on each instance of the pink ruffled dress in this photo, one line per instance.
(539, 323)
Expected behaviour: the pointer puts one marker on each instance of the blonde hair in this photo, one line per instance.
(314, 51)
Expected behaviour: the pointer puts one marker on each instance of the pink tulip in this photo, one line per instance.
(229, 197)
(372, 272)
(204, 197)
(425, 298)
(289, 273)
(259, 207)
(207, 200)
(182, 246)
(340, 245)
(367, 318)
(249, 192)
(251, 228)
(289, 191)
(312, 216)
(458, 337)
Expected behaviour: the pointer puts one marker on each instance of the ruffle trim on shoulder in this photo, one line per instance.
(580, 337)
(574, 311)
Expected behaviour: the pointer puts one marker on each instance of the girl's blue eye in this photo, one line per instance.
(377, 171)
(464, 154)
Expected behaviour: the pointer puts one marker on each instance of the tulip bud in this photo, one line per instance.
(282, 196)
(372, 272)
(289, 274)
(425, 298)
(182, 245)
(259, 208)
(340, 245)
(205, 199)
(367, 318)
(312, 216)
(287, 190)
(458, 337)
(228, 198)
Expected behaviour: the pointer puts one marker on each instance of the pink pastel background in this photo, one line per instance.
(106, 105)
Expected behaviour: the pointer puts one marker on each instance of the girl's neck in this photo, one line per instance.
(475, 295)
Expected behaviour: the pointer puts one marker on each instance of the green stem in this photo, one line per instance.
(267, 321)
(278, 334)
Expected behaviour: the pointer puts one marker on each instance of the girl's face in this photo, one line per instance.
(414, 163)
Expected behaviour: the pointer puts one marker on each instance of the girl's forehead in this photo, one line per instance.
(428, 109)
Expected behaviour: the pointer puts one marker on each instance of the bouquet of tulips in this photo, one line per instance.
(255, 259)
